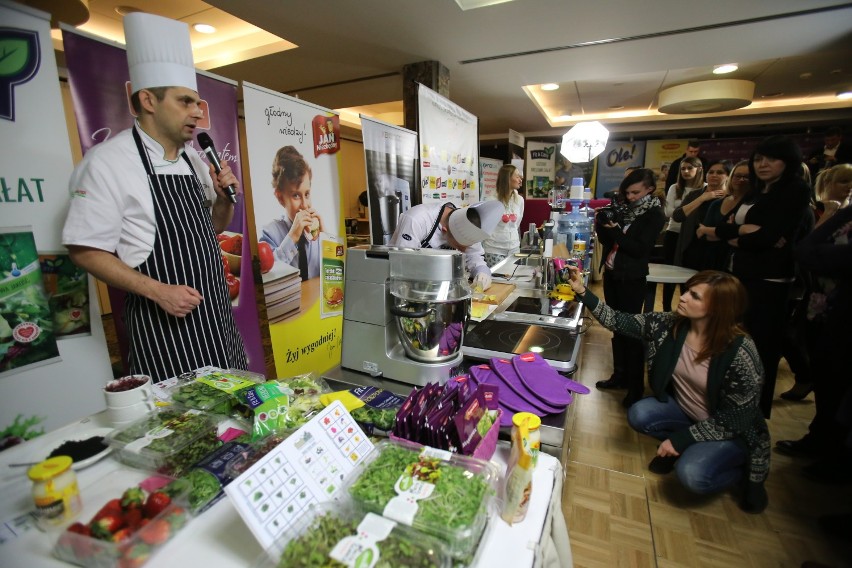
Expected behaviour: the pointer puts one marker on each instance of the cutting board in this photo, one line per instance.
(499, 291)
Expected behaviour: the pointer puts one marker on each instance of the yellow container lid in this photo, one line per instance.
(533, 421)
(49, 468)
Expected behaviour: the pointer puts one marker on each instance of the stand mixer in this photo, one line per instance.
(405, 314)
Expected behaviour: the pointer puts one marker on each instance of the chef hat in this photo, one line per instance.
(159, 52)
(466, 231)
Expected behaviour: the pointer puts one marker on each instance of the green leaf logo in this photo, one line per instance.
(19, 62)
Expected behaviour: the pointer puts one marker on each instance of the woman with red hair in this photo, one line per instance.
(706, 377)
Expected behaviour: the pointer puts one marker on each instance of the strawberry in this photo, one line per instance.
(132, 498)
(106, 526)
(135, 556)
(177, 518)
(80, 528)
(156, 532)
(81, 545)
(133, 518)
(122, 534)
(156, 503)
(112, 507)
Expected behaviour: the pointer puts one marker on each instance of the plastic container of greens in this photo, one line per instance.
(212, 389)
(440, 493)
(169, 440)
(254, 452)
(339, 534)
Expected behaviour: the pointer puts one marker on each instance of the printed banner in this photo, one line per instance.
(296, 210)
(390, 153)
(449, 150)
(659, 155)
(26, 325)
(541, 168)
(99, 78)
(67, 287)
(488, 170)
(34, 170)
(617, 157)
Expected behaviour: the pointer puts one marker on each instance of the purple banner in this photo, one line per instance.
(98, 77)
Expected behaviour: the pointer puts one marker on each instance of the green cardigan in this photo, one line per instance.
(734, 380)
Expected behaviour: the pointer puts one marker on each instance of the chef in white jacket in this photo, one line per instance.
(444, 226)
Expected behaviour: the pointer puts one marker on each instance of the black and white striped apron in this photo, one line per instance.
(185, 253)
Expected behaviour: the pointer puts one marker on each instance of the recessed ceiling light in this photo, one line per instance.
(616, 107)
(549, 87)
(725, 68)
(563, 117)
(845, 95)
(204, 28)
(806, 75)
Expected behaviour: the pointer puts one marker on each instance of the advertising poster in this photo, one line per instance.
(293, 150)
(659, 155)
(390, 153)
(98, 77)
(67, 288)
(488, 170)
(449, 150)
(34, 170)
(26, 324)
(617, 157)
(541, 168)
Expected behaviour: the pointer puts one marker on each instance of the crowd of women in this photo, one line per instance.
(772, 256)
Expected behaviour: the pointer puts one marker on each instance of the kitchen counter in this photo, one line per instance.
(220, 538)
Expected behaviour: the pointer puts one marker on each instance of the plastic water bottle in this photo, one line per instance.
(580, 230)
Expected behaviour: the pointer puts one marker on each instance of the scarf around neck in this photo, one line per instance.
(640, 208)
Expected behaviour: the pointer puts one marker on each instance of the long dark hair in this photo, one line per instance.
(726, 302)
(697, 181)
(779, 148)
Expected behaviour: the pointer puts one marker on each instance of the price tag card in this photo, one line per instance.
(308, 467)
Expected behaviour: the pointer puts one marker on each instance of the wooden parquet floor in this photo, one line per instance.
(620, 514)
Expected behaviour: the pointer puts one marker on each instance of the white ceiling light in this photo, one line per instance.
(725, 68)
(471, 4)
(204, 28)
(845, 95)
(718, 95)
(563, 117)
(584, 141)
(549, 87)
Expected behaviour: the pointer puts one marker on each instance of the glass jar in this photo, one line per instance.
(55, 491)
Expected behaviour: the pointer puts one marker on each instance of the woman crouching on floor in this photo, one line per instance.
(706, 377)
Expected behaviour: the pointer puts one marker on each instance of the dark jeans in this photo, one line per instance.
(766, 322)
(628, 359)
(703, 467)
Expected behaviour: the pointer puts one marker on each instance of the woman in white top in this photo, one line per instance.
(505, 239)
(689, 178)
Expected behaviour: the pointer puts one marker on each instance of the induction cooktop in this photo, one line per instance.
(506, 338)
(543, 311)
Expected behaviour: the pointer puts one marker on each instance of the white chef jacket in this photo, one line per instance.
(414, 225)
(111, 204)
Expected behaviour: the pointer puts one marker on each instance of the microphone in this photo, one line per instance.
(207, 145)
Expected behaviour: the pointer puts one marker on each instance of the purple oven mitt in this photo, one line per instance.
(506, 397)
(544, 380)
(503, 368)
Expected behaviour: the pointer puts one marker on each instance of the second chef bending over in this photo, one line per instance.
(444, 226)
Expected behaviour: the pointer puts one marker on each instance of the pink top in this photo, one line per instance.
(690, 384)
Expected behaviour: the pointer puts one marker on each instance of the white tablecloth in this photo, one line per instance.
(219, 538)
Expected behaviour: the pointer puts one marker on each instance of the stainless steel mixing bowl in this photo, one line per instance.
(431, 332)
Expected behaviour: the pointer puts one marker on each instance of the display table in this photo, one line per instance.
(219, 537)
(666, 274)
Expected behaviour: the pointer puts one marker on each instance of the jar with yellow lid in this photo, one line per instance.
(55, 491)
